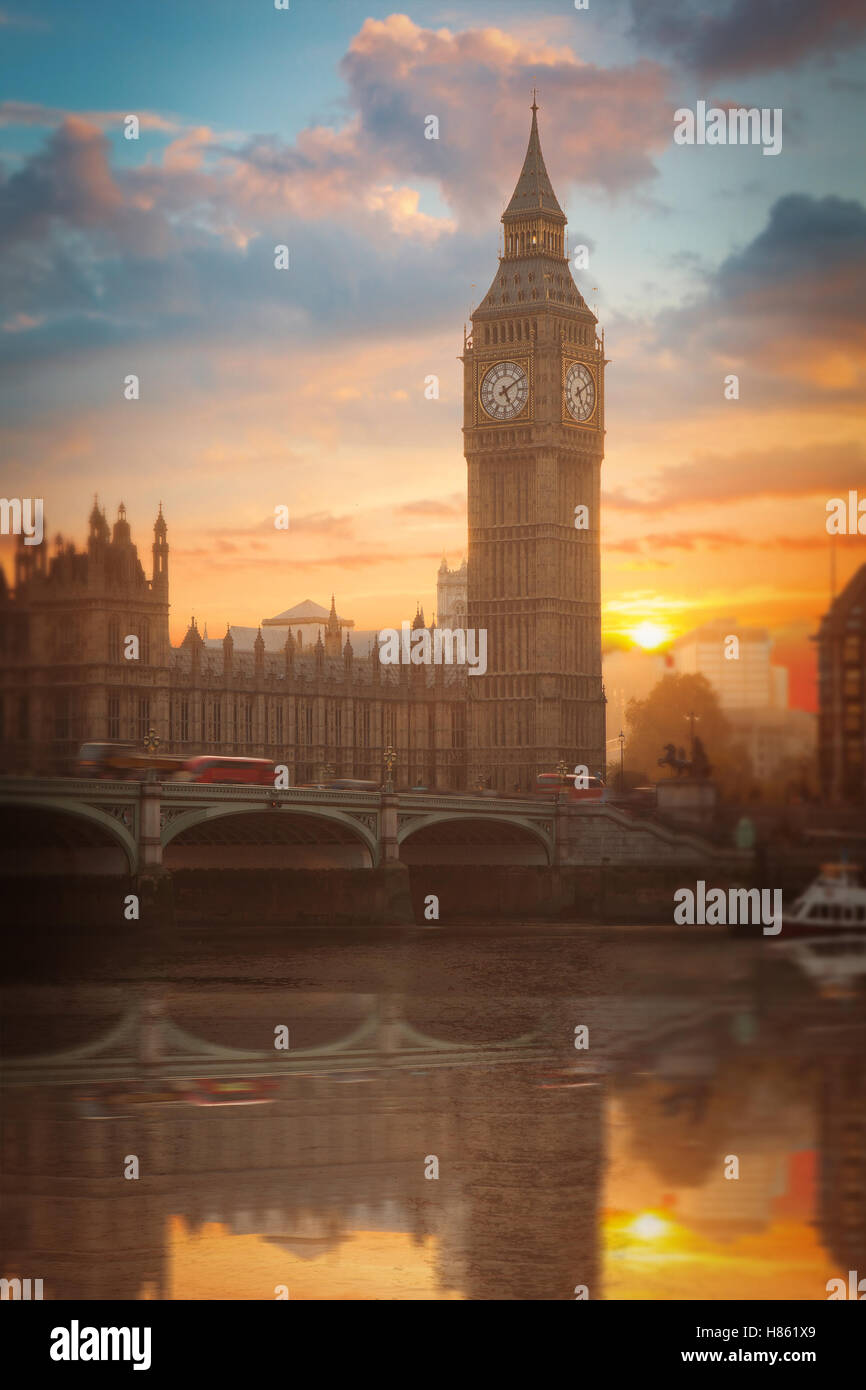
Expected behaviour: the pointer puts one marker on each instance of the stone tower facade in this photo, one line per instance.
(65, 676)
(451, 588)
(534, 442)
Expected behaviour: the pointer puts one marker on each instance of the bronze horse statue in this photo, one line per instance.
(698, 766)
(675, 758)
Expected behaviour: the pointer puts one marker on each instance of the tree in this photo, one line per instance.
(663, 717)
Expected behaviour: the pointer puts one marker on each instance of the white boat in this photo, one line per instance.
(834, 904)
(836, 965)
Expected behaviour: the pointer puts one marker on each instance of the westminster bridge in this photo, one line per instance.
(212, 853)
(152, 825)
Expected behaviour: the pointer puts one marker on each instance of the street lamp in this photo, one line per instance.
(389, 759)
(152, 742)
(621, 737)
(562, 769)
(693, 719)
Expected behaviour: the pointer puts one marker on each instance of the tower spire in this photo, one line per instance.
(534, 191)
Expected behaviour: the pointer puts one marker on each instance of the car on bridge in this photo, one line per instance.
(115, 760)
(105, 760)
(350, 784)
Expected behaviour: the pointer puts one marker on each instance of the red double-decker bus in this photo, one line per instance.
(258, 772)
(553, 784)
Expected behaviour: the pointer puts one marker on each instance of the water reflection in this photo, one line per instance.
(557, 1168)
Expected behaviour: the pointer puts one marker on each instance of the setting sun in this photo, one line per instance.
(649, 1227)
(649, 635)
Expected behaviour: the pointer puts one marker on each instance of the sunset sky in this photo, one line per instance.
(306, 387)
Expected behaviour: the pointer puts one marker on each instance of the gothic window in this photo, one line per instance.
(114, 716)
(458, 725)
(216, 722)
(520, 297)
(184, 721)
(519, 325)
(486, 334)
(276, 722)
(248, 721)
(61, 716)
(143, 717)
(114, 652)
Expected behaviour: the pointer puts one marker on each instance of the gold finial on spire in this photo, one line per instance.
(534, 107)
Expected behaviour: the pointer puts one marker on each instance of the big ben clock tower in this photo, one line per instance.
(534, 442)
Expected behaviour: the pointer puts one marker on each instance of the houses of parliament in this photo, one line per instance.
(306, 689)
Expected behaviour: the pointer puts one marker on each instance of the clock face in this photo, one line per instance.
(579, 391)
(504, 391)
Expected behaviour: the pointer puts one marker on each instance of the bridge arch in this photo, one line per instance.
(473, 832)
(256, 824)
(18, 812)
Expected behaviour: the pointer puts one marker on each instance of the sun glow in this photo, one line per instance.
(649, 1227)
(649, 635)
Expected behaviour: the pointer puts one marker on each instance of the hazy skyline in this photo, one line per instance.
(306, 387)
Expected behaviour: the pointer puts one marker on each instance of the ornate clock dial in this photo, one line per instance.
(579, 391)
(504, 391)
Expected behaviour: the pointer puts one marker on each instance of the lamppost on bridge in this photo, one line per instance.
(621, 737)
(562, 770)
(152, 742)
(389, 759)
(693, 719)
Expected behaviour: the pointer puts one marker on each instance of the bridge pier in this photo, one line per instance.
(149, 828)
(155, 893)
(397, 893)
(389, 845)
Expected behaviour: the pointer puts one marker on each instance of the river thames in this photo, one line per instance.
(526, 1113)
